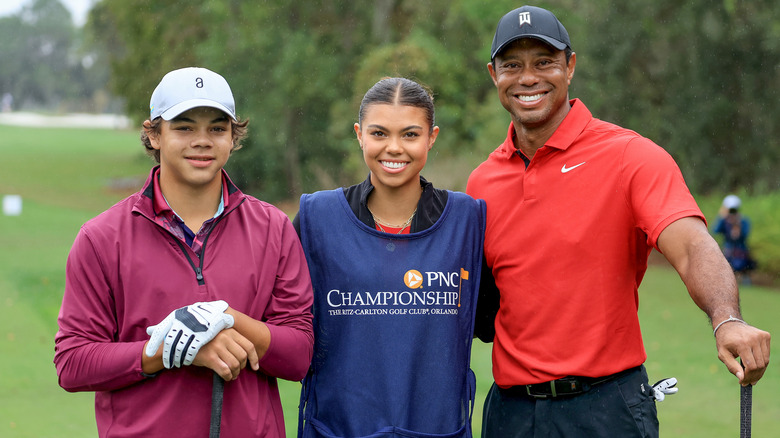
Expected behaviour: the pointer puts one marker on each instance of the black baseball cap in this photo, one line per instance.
(529, 22)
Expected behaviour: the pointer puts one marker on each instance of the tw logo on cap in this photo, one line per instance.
(525, 18)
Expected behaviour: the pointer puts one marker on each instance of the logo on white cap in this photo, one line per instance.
(191, 87)
(525, 18)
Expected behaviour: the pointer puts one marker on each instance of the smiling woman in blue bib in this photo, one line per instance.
(395, 265)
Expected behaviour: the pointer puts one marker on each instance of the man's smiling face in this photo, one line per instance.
(532, 79)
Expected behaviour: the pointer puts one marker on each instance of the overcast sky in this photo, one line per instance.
(78, 8)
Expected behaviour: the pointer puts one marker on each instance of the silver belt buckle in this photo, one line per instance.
(554, 393)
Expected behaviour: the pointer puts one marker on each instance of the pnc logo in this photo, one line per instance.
(413, 279)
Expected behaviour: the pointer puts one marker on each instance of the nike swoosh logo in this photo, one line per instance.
(565, 169)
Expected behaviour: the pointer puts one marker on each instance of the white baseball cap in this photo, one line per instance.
(731, 201)
(187, 88)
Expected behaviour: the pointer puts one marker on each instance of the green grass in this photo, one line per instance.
(64, 177)
(67, 176)
(679, 343)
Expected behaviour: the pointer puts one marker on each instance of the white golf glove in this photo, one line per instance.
(185, 330)
(663, 387)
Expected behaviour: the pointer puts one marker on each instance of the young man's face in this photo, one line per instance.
(194, 147)
(532, 79)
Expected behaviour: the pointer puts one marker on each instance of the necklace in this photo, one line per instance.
(380, 222)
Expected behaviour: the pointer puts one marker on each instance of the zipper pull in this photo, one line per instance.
(199, 275)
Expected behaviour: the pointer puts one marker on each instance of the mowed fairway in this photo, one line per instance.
(66, 176)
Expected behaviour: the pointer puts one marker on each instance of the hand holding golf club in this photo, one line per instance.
(734, 339)
(228, 354)
(185, 330)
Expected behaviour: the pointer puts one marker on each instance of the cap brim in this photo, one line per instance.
(559, 45)
(187, 105)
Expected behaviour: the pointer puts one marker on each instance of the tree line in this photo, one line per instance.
(700, 77)
(47, 65)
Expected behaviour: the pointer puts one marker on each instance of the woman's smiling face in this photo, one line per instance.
(395, 140)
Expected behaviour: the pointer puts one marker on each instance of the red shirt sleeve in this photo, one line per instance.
(655, 188)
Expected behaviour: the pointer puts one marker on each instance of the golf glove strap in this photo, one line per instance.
(185, 330)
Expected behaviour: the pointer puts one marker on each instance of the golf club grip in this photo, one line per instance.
(745, 410)
(217, 391)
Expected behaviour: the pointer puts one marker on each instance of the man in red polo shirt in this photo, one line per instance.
(575, 205)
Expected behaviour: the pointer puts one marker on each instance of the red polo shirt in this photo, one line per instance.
(568, 239)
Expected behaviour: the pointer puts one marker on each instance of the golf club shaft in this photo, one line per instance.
(745, 411)
(217, 391)
(745, 408)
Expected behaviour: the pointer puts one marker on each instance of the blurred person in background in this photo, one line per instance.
(734, 227)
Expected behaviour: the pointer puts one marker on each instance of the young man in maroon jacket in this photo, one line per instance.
(217, 278)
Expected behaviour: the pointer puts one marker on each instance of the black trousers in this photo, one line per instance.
(622, 407)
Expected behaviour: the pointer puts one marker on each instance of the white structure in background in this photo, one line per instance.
(7, 102)
(12, 205)
(103, 121)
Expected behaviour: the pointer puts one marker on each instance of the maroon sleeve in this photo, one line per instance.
(87, 356)
(288, 315)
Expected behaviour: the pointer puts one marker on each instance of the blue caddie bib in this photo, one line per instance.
(393, 322)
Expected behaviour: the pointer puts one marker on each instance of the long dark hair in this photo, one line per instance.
(399, 91)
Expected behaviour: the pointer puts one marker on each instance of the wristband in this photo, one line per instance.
(730, 319)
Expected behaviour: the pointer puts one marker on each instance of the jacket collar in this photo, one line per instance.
(429, 208)
(151, 207)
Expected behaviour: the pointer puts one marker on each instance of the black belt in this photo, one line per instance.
(564, 387)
